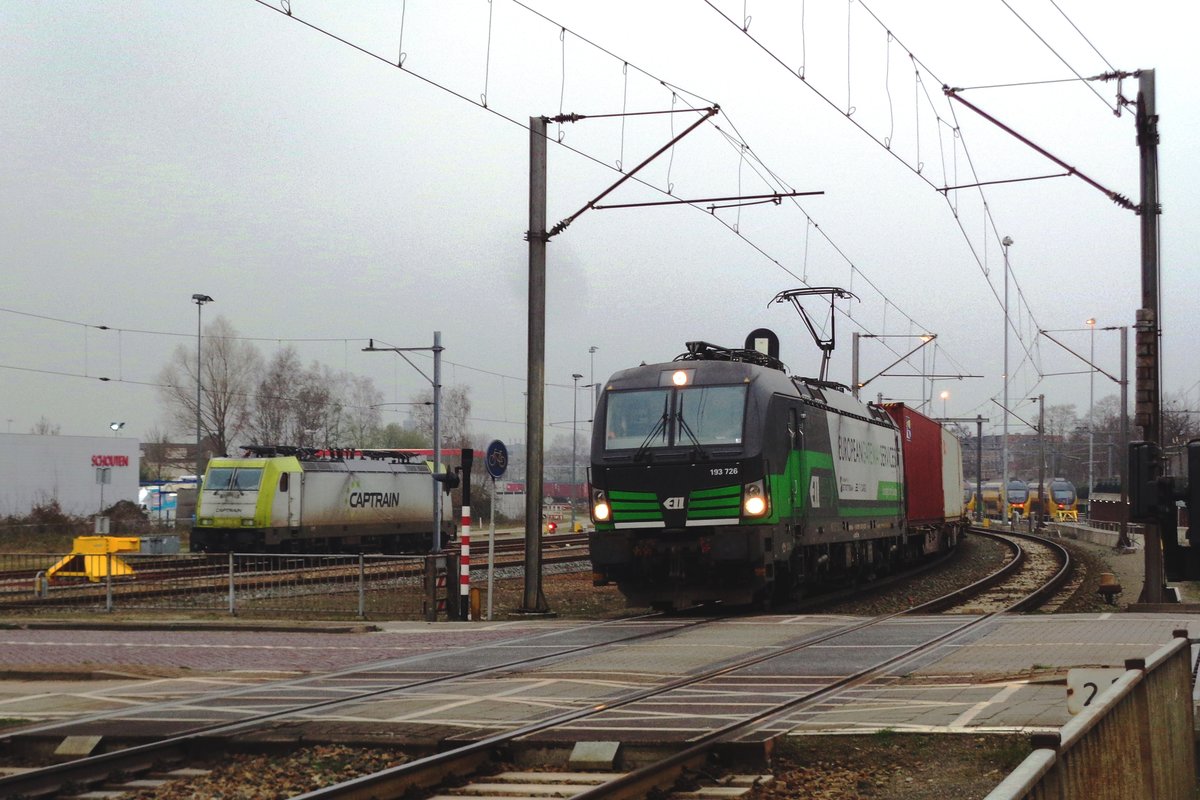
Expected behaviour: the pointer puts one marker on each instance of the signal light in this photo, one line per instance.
(551, 527)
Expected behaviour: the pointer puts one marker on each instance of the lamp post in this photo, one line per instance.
(945, 395)
(574, 425)
(595, 389)
(1007, 242)
(1091, 323)
(199, 300)
(116, 426)
(1043, 508)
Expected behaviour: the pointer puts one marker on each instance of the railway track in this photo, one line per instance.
(693, 757)
(296, 574)
(1024, 570)
(1038, 569)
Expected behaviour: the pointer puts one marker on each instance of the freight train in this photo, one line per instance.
(289, 499)
(719, 478)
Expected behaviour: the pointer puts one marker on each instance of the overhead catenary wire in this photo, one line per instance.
(917, 167)
(562, 31)
(747, 158)
(1040, 38)
(1082, 36)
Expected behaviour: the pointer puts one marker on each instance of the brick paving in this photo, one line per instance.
(203, 650)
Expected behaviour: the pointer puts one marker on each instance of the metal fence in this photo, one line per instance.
(333, 586)
(1137, 741)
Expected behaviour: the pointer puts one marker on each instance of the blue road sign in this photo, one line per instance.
(497, 458)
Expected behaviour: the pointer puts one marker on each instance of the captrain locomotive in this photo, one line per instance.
(718, 478)
(288, 499)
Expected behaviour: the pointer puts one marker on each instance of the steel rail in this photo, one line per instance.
(162, 582)
(642, 781)
(426, 772)
(48, 780)
(429, 770)
(987, 582)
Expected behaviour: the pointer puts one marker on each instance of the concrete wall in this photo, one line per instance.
(35, 470)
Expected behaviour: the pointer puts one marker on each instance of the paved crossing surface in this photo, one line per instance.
(1010, 676)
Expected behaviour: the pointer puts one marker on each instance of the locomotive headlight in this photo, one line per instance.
(679, 378)
(600, 510)
(754, 499)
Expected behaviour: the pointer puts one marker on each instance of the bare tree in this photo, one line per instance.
(362, 417)
(228, 368)
(315, 409)
(273, 403)
(277, 403)
(396, 435)
(558, 458)
(44, 427)
(1178, 425)
(1061, 420)
(455, 413)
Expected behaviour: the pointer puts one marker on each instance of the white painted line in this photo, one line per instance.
(999, 697)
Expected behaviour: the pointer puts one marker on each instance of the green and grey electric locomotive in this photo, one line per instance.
(718, 478)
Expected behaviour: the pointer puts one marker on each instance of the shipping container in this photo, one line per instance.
(933, 481)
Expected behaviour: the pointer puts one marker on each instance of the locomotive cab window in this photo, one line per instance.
(713, 414)
(637, 417)
(243, 479)
(247, 479)
(1063, 491)
(219, 478)
(683, 417)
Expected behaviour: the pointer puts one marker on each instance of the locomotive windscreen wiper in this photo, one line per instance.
(683, 426)
(660, 427)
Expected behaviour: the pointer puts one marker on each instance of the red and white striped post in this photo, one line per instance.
(464, 564)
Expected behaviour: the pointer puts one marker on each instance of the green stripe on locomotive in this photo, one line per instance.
(632, 507)
(789, 492)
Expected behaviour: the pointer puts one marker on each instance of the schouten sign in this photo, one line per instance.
(110, 461)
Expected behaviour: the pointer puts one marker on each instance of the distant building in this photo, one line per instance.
(36, 470)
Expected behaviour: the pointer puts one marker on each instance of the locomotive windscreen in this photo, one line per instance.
(687, 416)
(244, 479)
(1063, 491)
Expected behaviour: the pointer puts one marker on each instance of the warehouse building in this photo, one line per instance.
(82, 473)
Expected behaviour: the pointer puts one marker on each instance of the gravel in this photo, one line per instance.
(244, 776)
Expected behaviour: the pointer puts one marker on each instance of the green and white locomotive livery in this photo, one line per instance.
(719, 478)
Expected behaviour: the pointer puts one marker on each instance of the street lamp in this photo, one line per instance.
(595, 389)
(116, 426)
(945, 395)
(1007, 242)
(574, 394)
(1091, 323)
(199, 300)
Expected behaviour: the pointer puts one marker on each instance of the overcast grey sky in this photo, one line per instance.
(323, 197)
